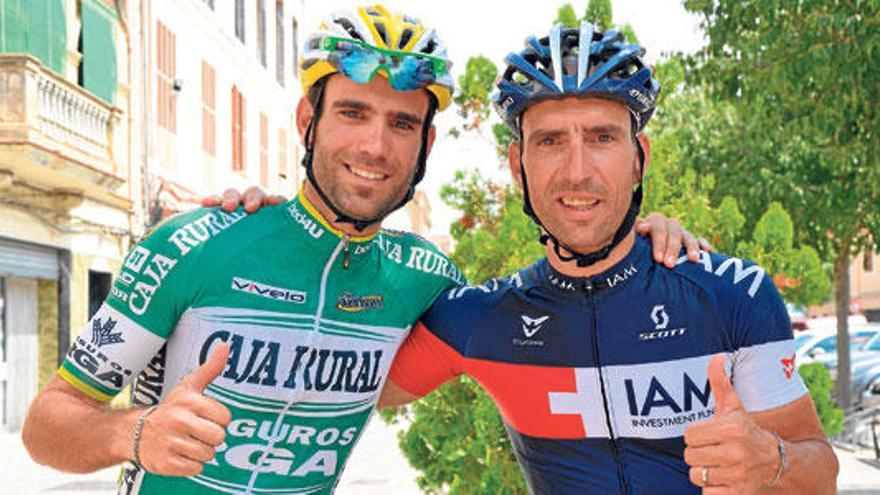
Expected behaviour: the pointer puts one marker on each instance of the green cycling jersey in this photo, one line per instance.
(313, 319)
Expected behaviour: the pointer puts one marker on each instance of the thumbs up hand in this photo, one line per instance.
(183, 431)
(729, 453)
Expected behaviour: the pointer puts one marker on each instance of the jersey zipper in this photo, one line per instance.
(615, 449)
(322, 298)
(346, 260)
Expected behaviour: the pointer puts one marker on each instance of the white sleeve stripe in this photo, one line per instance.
(765, 376)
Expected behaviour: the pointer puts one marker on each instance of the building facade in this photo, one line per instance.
(864, 289)
(220, 88)
(69, 185)
(115, 114)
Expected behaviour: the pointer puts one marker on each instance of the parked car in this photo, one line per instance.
(821, 344)
(865, 366)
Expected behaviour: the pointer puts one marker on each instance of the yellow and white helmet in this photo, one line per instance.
(393, 34)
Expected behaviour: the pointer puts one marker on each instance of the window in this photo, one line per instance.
(239, 139)
(166, 111)
(209, 110)
(282, 153)
(239, 20)
(264, 150)
(97, 71)
(261, 31)
(99, 288)
(279, 41)
(38, 28)
(868, 260)
(293, 33)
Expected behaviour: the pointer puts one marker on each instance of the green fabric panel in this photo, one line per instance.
(38, 30)
(57, 36)
(36, 27)
(99, 51)
(14, 36)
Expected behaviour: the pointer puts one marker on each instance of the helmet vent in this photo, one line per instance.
(520, 78)
(430, 47)
(404, 38)
(373, 12)
(380, 28)
(349, 28)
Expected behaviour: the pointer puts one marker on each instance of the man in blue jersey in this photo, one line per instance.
(615, 374)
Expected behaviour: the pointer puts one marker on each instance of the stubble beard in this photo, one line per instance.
(589, 236)
(356, 201)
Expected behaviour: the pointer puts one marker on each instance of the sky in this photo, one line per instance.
(494, 28)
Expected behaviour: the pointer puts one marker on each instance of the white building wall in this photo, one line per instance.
(205, 34)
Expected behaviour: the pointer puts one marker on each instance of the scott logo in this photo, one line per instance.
(788, 365)
(532, 325)
(661, 319)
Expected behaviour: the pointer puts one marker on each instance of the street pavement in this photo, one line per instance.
(376, 467)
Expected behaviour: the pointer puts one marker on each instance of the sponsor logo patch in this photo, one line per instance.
(661, 323)
(268, 291)
(348, 302)
(788, 365)
(103, 334)
(532, 325)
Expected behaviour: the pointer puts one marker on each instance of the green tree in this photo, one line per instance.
(818, 381)
(599, 13)
(799, 78)
(472, 94)
(566, 16)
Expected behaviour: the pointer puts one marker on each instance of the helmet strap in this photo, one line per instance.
(586, 259)
(361, 224)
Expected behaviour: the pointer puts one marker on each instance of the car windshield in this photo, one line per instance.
(873, 344)
(801, 339)
(860, 338)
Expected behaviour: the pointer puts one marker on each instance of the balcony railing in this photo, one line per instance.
(64, 125)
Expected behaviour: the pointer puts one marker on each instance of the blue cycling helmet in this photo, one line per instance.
(573, 61)
(578, 62)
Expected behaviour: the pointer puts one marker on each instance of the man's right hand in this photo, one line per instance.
(184, 430)
(253, 199)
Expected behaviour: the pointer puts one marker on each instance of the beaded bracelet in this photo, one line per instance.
(137, 434)
(783, 459)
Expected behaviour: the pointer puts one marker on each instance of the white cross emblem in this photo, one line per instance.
(585, 401)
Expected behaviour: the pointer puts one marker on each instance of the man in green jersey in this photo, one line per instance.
(260, 343)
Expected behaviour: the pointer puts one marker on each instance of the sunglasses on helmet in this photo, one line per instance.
(360, 62)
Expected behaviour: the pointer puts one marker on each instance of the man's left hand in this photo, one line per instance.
(668, 237)
(730, 453)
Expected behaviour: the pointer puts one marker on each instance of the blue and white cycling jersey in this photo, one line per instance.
(597, 378)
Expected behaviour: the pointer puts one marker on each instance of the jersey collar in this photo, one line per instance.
(314, 226)
(621, 274)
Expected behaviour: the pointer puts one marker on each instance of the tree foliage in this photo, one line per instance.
(798, 79)
(818, 381)
(599, 13)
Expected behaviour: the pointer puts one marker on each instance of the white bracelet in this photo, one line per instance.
(783, 459)
(137, 434)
